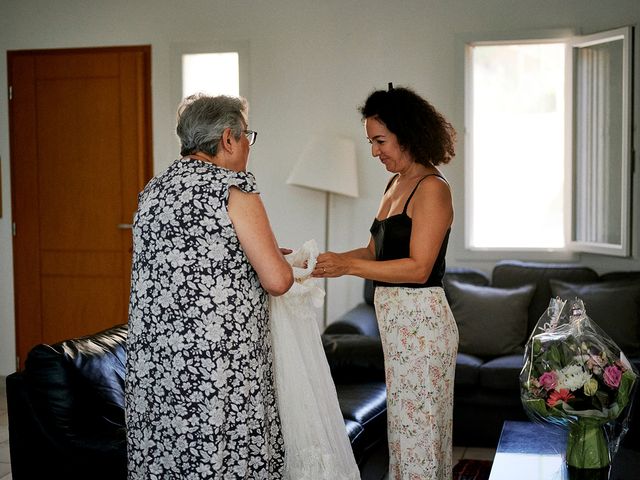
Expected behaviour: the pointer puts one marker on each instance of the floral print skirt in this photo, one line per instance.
(420, 342)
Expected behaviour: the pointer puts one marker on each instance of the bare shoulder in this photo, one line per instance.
(244, 204)
(238, 195)
(434, 187)
(432, 202)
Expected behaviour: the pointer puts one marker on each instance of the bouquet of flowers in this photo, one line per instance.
(576, 376)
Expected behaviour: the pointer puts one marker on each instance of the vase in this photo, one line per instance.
(587, 445)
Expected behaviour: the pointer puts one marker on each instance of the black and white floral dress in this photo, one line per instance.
(200, 397)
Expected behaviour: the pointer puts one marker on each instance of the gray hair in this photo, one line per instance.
(202, 120)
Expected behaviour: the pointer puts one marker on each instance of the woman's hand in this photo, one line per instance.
(331, 265)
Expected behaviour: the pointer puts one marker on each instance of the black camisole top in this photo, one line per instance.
(392, 236)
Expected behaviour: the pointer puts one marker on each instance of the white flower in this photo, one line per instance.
(572, 377)
(221, 373)
(166, 216)
(214, 332)
(217, 417)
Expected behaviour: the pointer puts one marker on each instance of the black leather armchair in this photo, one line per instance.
(66, 410)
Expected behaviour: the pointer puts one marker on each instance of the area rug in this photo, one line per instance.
(472, 470)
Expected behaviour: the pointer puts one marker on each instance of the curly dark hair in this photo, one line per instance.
(420, 128)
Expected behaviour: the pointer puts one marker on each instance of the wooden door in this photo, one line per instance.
(80, 144)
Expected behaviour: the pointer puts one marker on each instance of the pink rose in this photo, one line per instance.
(612, 376)
(548, 380)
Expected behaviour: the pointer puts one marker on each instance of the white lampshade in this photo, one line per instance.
(328, 164)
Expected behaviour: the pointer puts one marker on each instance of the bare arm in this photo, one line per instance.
(364, 253)
(251, 223)
(431, 212)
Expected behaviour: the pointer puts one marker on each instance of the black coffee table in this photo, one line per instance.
(533, 451)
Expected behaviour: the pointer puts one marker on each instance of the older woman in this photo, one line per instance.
(200, 398)
(406, 259)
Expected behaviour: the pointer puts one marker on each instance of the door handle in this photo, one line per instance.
(125, 226)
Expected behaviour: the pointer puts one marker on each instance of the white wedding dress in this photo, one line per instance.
(316, 443)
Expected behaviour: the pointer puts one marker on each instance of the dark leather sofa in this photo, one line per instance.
(487, 389)
(66, 408)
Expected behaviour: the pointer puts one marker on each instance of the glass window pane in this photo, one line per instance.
(599, 140)
(210, 73)
(518, 146)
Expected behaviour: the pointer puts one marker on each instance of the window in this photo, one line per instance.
(210, 73)
(517, 146)
(533, 183)
(211, 68)
(602, 136)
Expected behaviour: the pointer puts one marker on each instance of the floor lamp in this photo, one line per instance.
(327, 164)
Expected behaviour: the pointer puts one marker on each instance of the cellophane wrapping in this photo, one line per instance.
(574, 373)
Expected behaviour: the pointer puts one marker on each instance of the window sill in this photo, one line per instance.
(531, 255)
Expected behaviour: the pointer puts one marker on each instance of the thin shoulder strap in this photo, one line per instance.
(416, 187)
(391, 182)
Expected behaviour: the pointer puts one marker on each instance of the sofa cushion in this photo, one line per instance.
(614, 306)
(513, 273)
(502, 373)
(467, 371)
(354, 358)
(463, 275)
(362, 402)
(361, 320)
(366, 405)
(491, 321)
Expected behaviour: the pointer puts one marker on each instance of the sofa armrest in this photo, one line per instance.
(68, 404)
(354, 358)
(59, 455)
(69, 411)
(361, 320)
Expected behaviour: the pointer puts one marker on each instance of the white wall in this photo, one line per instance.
(311, 64)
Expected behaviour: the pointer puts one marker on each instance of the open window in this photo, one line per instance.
(602, 153)
(548, 162)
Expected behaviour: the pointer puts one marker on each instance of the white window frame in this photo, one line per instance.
(572, 248)
(623, 248)
(180, 49)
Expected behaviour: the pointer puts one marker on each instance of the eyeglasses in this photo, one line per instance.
(251, 136)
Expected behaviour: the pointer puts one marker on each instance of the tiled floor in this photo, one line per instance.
(5, 466)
